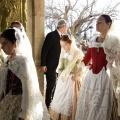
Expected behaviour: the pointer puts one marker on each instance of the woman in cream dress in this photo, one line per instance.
(63, 105)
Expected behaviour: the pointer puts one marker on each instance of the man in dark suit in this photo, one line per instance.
(50, 57)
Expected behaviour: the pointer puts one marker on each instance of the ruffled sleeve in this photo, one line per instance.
(112, 50)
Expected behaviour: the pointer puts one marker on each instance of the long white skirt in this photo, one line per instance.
(10, 108)
(95, 97)
(63, 102)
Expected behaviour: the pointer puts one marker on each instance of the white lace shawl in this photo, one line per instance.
(112, 50)
(32, 102)
(76, 54)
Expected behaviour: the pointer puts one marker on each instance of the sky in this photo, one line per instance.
(100, 4)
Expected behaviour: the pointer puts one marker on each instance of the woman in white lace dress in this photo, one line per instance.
(20, 97)
(17, 24)
(63, 105)
(100, 88)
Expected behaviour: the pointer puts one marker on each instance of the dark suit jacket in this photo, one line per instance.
(51, 50)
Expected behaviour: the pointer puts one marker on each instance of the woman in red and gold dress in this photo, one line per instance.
(100, 89)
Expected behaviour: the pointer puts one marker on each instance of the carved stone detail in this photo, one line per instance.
(12, 10)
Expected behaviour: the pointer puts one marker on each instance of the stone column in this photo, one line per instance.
(35, 31)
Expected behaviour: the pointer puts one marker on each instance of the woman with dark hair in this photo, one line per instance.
(18, 25)
(100, 87)
(20, 96)
(63, 106)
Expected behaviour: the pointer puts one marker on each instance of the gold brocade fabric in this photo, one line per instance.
(10, 107)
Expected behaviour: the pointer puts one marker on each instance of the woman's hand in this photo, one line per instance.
(75, 78)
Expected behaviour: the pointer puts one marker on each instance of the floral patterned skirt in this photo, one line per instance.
(10, 107)
(96, 99)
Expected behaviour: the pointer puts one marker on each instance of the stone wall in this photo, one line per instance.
(31, 14)
(35, 32)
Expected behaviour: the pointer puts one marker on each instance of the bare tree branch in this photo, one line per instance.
(79, 16)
